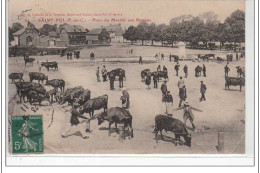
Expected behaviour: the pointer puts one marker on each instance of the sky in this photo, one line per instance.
(157, 11)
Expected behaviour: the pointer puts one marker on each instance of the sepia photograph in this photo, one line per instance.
(126, 77)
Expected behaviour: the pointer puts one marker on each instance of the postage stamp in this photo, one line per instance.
(27, 134)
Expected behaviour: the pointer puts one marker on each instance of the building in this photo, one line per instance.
(73, 35)
(98, 36)
(28, 36)
(115, 32)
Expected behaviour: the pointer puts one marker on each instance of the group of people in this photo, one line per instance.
(159, 56)
(69, 55)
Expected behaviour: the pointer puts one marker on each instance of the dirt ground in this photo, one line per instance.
(222, 111)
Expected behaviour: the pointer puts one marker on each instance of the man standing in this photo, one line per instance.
(112, 80)
(185, 69)
(180, 84)
(155, 80)
(177, 68)
(187, 113)
(203, 89)
(121, 79)
(97, 73)
(125, 100)
(226, 70)
(148, 80)
(237, 56)
(165, 69)
(162, 56)
(76, 125)
(204, 70)
(182, 95)
(169, 104)
(104, 73)
(159, 68)
(68, 55)
(164, 90)
(170, 57)
(140, 60)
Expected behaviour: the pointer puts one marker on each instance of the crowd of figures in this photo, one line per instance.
(81, 101)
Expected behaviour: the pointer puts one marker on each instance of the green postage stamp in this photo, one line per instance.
(27, 134)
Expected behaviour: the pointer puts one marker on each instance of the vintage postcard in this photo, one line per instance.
(126, 77)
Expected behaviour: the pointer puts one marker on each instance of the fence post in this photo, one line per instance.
(220, 146)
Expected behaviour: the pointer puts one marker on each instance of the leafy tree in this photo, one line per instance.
(131, 34)
(15, 27)
(143, 32)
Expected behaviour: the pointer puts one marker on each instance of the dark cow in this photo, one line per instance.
(161, 74)
(144, 73)
(35, 96)
(116, 72)
(233, 81)
(198, 70)
(49, 65)
(95, 104)
(163, 122)
(56, 83)
(220, 59)
(175, 57)
(37, 76)
(84, 97)
(70, 95)
(23, 88)
(53, 94)
(28, 60)
(14, 76)
(117, 115)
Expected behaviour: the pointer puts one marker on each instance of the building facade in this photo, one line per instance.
(98, 36)
(73, 35)
(116, 33)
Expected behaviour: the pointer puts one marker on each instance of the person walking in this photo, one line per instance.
(121, 79)
(140, 60)
(203, 89)
(182, 95)
(226, 70)
(204, 70)
(237, 56)
(170, 57)
(104, 73)
(180, 84)
(155, 81)
(68, 55)
(125, 99)
(164, 90)
(112, 81)
(159, 68)
(169, 104)
(185, 69)
(98, 76)
(165, 69)
(187, 113)
(148, 80)
(177, 68)
(75, 124)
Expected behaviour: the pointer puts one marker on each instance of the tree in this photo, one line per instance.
(131, 34)
(235, 25)
(46, 28)
(15, 27)
(153, 32)
(143, 32)
(161, 33)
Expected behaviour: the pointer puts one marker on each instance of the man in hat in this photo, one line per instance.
(112, 80)
(187, 113)
(180, 84)
(140, 60)
(75, 124)
(104, 73)
(169, 103)
(203, 89)
(164, 90)
(182, 95)
(148, 80)
(204, 70)
(97, 73)
(176, 67)
(121, 80)
(155, 80)
(226, 70)
(125, 99)
(185, 69)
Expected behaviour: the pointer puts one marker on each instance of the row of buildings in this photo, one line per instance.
(68, 35)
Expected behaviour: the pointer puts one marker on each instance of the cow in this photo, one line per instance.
(220, 59)
(14, 76)
(167, 123)
(49, 65)
(161, 74)
(233, 81)
(23, 88)
(70, 95)
(175, 57)
(52, 94)
(84, 97)
(35, 96)
(144, 73)
(37, 76)
(198, 70)
(117, 115)
(28, 60)
(56, 83)
(116, 72)
(94, 104)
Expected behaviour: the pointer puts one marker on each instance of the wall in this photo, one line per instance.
(35, 38)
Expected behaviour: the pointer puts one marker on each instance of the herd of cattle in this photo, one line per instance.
(36, 93)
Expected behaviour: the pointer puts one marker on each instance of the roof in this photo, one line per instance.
(19, 32)
(95, 31)
(74, 28)
(115, 28)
